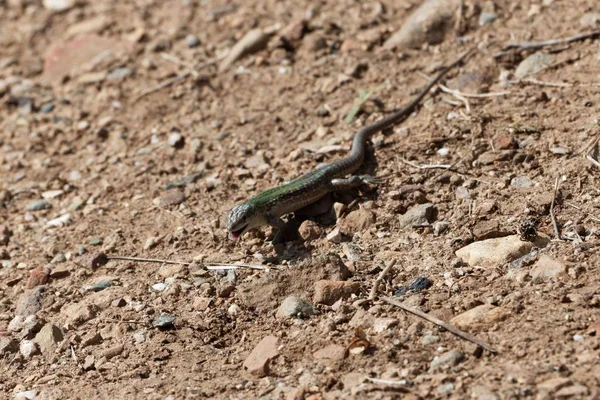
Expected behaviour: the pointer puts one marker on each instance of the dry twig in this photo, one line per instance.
(209, 266)
(592, 160)
(441, 323)
(382, 275)
(511, 46)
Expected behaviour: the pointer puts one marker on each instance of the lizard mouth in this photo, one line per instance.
(235, 235)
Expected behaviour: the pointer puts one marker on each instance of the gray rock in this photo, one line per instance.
(494, 252)
(163, 321)
(38, 205)
(487, 17)
(59, 258)
(30, 301)
(445, 388)
(192, 41)
(547, 268)
(119, 73)
(430, 339)
(293, 306)
(8, 345)
(419, 215)
(28, 349)
(533, 64)
(447, 360)
(521, 182)
(58, 5)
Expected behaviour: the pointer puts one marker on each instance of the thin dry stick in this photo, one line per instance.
(550, 42)
(157, 260)
(591, 159)
(441, 323)
(472, 95)
(382, 275)
(542, 83)
(163, 84)
(427, 166)
(402, 382)
(552, 217)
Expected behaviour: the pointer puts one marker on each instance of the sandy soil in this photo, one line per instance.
(124, 133)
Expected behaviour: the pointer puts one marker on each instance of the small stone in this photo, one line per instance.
(95, 241)
(28, 348)
(487, 17)
(446, 360)
(38, 205)
(356, 221)
(440, 227)
(547, 268)
(480, 315)
(78, 313)
(494, 252)
(176, 140)
(590, 20)
(30, 301)
(226, 290)
(97, 286)
(295, 307)
(201, 303)
(88, 363)
(151, 242)
(163, 321)
(8, 345)
(332, 352)
(92, 338)
(257, 363)
(112, 352)
(254, 41)
(172, 198)
(533, 64)
(192, 41)
(576, 390)
(97, 260)
(58, 5)
(59, 258)
(159, 287)
(48, 338)
(521, 182)
(489, 229)
(445, 388)
(418, 216)
(309, 230)
(26, 395)
(328, 292)
(171, 270)
(120, 302)
(554, 384)
(383, 324)
(335, 235)
(38, 276)
(234, 310)
(429, 339)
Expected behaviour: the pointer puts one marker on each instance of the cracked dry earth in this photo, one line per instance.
(131, 128)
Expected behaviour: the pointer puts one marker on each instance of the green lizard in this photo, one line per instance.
(267, 207)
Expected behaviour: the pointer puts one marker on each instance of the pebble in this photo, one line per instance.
(578, 338)
(28, 348)
(201, 303)
(445, 388)
(192, 41)
(429, 339)
(252, 42)
(332, 352)
(59, 258)
(172, 198)
(446, 360)
(88, 362)
(295, 307)
(95, 241)
(91, 338)
(163, 321)
(418, 216)
(335, 236)
(58, 5)
(176, 140)
(16, 324)
(47, 108)
(427, 24)
(30, 301)
(26, 395)
(257, 363)
(356, 221)
(77, 313)
(38, 276)
(112, 352)
(480, 315)
(494, 252)
(419, 284)
(440, 227)
(8, 345)
(521, 182)
(590, 20)
(328, 292)
(533, 64)
(226, 290)
(547, 268)
(487, 17)
(310, 230)
(159, 287)
(381, 325)
(97, 286)
(61, 221)
(38, 205)
(48, 338)
(234, 310)
(151, 242)
(118, 73)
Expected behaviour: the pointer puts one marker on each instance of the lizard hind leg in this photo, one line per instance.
(355, 181)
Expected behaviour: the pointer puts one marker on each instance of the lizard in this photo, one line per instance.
(268, 206)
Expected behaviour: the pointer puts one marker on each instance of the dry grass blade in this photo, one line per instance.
(441, 323)
(209, 266)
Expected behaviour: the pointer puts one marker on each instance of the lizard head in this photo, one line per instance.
(242, 218)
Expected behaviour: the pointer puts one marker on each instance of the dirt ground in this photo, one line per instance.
(125, 131)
